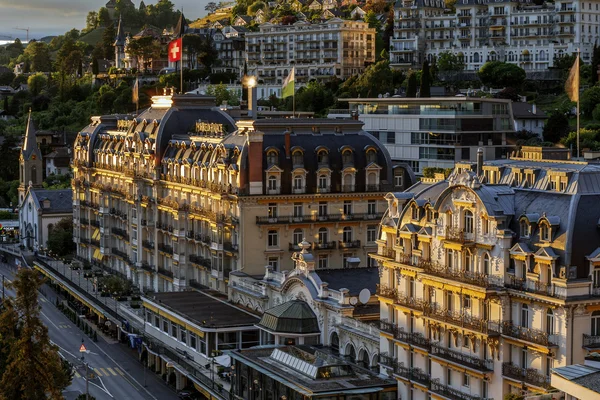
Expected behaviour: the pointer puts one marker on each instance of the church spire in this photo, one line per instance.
(120, 39)
(181, 26)
(30, 144)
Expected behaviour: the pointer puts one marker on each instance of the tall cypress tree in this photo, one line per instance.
(425, 89)
(31, 367)
(411, 89)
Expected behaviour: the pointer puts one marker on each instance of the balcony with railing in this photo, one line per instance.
(299, 219)
(120, 253)
(463, 320)
(469, 277)
(165, 248)
(148, 245)
(148, 267)
(120, 233)
(324, 245)
(458, 235)
(199, 260)
(536, 287)
(452, 393)
(530, 335)
(354, 244)
(466, 360)
(165, 272)
(591, 342)
(530, 376)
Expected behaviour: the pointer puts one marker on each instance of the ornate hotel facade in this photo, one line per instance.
(489, 279)
(182, 195)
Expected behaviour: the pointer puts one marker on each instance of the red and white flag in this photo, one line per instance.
(175, 50)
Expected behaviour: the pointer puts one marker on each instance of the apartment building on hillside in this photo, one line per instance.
(520, 32)
(335, 48)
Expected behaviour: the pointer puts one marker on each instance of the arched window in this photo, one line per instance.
(348, 182)
(544, 232)
(468, 221)
(298, 158)
(372, 179)
(323, 236)
(322, 157)
(350, 353)
(596, 323)
(298, 236)
(549, 322)
(524, 315)
(272, 158)
(363, 358)
(468, 261)
(335, 343)
(449, 219)
(371, 156)
(476, 57)
(322, 181)
(486, 264)
(272, 182)
(347, 157)
(298, 182)
(33, 175)
(347, 234)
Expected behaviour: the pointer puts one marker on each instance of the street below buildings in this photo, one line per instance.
(114, 369)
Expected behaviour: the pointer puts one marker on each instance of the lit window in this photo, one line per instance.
(272, 210)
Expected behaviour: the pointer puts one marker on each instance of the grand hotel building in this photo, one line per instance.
(182, 194)
(490, 279)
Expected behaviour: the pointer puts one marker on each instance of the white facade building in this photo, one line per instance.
(518, 32)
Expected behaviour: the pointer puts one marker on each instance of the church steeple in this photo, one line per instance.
(31, 167)
(181, 26)
(120, 45)
(120, 39)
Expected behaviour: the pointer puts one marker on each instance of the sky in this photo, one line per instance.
(55, 17)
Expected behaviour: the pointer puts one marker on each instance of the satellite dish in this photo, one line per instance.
(364, 296)
(353, 301)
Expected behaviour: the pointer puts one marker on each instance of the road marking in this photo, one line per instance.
(98, 372)
(111, 371)
(44, 300)
(77, 374)
(41, 312)
(104, 372)
(119, 371)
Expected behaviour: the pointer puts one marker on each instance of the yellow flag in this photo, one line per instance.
(572, 84)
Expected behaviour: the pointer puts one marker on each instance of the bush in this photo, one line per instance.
(429, 172)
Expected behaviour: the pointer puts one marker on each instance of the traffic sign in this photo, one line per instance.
(82, 349)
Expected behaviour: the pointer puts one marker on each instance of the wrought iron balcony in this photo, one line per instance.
(165, 248)
(534, 287)
(120, 253)
(120, 232)
(148, 267)
(463, 359)
(354, 244)
(414, 338)
(299, 219)
(528, 334)
(452, 393)
(324, 245)
(386, 291)
(530, 376)
(463, 320)
(388, 252)
(413, 374)
(84, 221)
(165, 272)
(199, 260)
(228, 246)
(470, 277)
(458, 235)
(591, 342)
(148, 245)
(95, 223)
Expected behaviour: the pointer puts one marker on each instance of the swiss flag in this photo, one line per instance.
(175, 49)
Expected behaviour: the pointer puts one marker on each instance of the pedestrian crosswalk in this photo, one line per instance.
(102, 372)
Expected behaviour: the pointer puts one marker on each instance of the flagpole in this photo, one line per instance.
(578, 83)
(181, 66)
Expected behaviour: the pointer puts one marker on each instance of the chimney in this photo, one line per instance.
(288, 144)
(479, 161)
(534, 109)
(252, 102)
(255, 162)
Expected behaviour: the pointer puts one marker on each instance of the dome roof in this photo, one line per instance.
(294, 317)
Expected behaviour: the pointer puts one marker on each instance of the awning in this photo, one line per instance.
(96, 235)
(224, 361)
(98, 255)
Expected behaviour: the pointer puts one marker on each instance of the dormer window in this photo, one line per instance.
(272, 158)
(525, 229)
(544, 232)
(372, 156)
(415, 212)
(323, 157)
(298, 158)
(347, 157)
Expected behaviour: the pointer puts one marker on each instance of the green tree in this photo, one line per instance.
(104, 18)
(556, 128)
(95, 67)
(91, 21)
(60, 240)
(411, 89)
(221, 93)
(144, 48)
(497, 74)
(257, 5)
(371, 19)
(37, 83)
(28, 351)
(115, 285)
(589, 99)
(207, 53)
(588, 139)
(595, 65)
(450, 62)
(211, 7)
(377, 79)
(108, 40)
(425, 87)
(38, 56)
(6, 78)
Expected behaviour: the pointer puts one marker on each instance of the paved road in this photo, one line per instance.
(118, 373)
